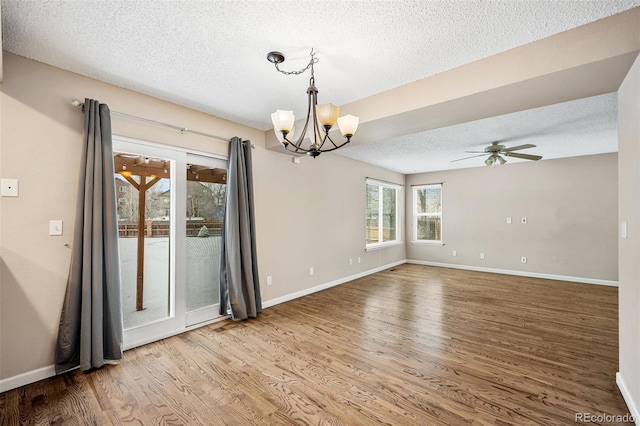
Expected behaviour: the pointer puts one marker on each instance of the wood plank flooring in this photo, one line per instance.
(412, 345)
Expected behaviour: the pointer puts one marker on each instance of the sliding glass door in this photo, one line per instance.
(170, 215)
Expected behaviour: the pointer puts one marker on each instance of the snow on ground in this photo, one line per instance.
(202, 278)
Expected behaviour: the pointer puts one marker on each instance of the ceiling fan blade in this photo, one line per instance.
(473, 156)
(476, 152)
(523, 156)
(516, 148)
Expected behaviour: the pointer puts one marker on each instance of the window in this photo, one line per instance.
(427, 213)
(383, 226)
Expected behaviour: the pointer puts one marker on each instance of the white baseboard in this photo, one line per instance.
(27, 378)
(631, 404)
(517, 273)
(297, 294)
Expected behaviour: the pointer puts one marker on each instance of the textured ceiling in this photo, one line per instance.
(584, 127)
(210, 55)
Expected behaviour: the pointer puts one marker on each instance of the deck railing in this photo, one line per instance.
(160, 228)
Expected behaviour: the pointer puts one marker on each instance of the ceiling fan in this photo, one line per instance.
(497, 150)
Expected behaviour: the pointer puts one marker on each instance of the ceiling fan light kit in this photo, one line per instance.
(321, 117)
(495, 160)
(497, 150)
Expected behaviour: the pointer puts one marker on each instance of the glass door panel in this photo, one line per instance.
(144, 212)
(205, 205)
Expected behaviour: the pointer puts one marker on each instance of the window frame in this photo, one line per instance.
(398, 213)
(417, 215)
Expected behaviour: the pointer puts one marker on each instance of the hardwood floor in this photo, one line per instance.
(412, 345)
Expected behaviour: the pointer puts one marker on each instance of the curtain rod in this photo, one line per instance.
(182, 130)
(427, 184)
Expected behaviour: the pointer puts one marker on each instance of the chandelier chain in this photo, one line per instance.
(310, 65)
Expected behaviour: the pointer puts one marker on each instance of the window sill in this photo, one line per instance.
(383, 245)
(428, 243)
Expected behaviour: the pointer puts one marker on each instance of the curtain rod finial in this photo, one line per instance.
(76, 103)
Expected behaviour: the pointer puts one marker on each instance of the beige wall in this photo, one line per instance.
(629, 211)
(570, 205)
(312, 214)
(309, 214)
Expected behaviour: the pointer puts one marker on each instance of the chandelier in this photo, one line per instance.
(321, 118)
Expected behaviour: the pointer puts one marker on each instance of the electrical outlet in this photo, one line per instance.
(481, 255)
(454, 253)
(310, 270)
(269, 280)
(509, 220)
(523, 259)
(350, 261)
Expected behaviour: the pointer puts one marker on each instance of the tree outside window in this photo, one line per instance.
(382, 225)
(427, 213)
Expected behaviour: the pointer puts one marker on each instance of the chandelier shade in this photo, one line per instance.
(283, 120)
(319, 121)
(327, 114)
(348, 124)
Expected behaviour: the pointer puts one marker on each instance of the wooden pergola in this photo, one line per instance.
(149, 172)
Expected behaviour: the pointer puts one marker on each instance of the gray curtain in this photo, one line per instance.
(90, 330)
(239, 283)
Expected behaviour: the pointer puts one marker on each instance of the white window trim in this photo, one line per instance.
(428, 243)
(399, 198)
(416, 215)
(378, 246)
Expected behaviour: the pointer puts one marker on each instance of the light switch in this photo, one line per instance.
(623, 230)
(55, 227)
(9, 187)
